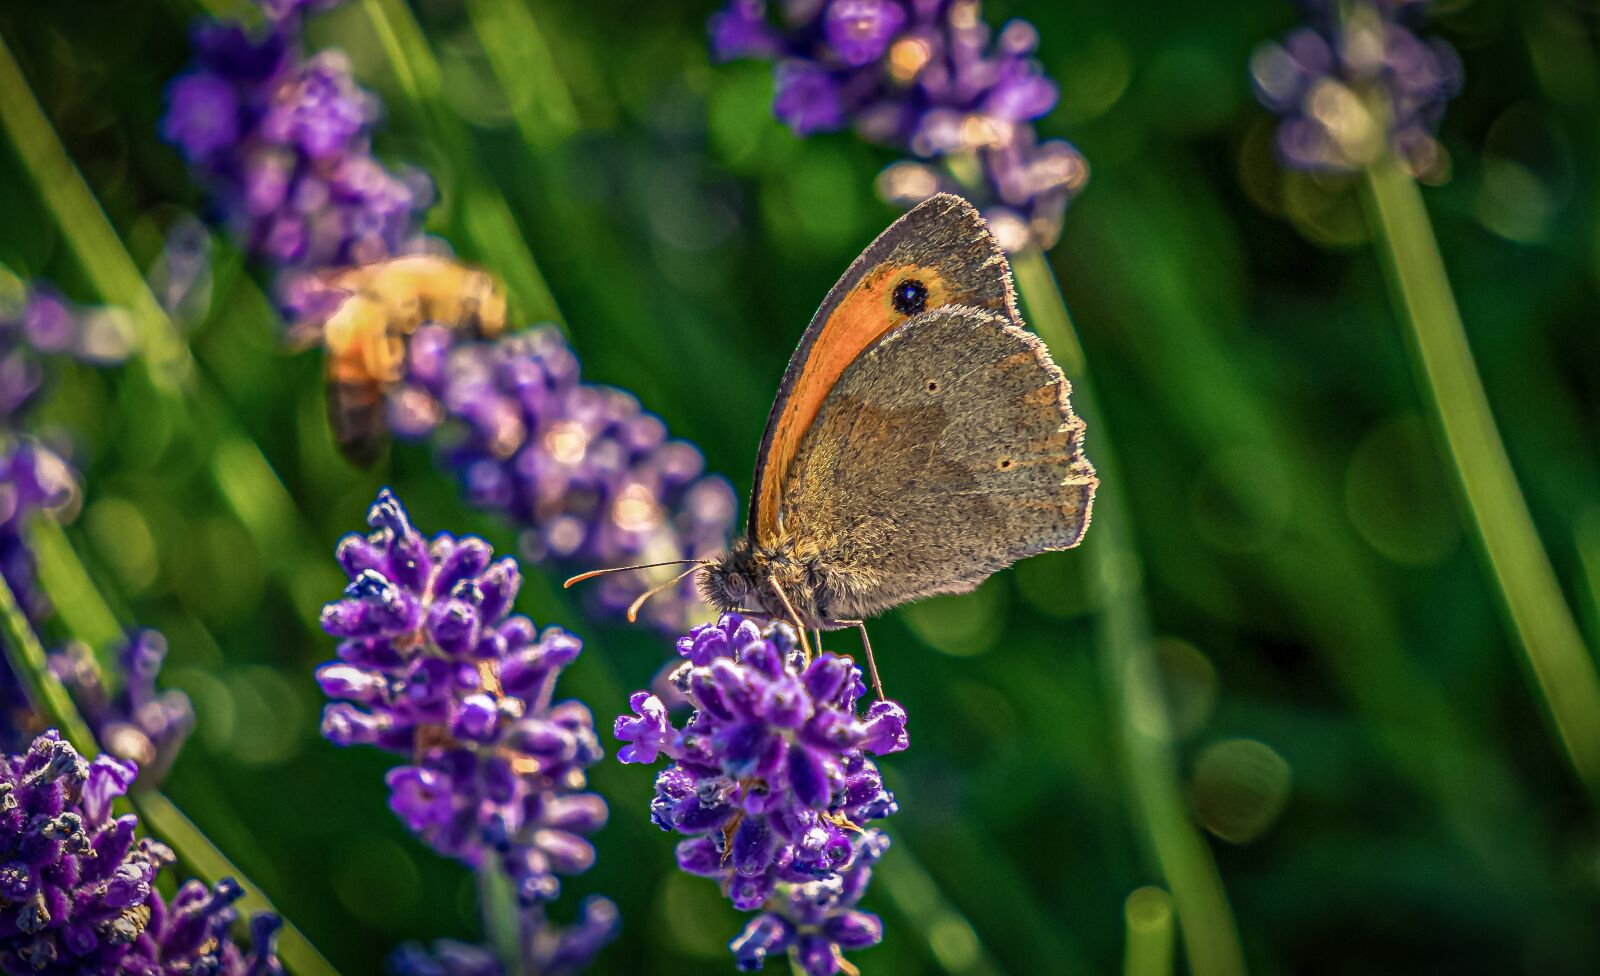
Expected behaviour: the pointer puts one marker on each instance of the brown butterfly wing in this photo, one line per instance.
(942, 243)
(947, 451)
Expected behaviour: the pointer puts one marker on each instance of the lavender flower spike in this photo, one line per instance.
(771, 785)
(434, 666)
(1353, 87)
(592, 480)
(135, 721)
(78, 893)
(283, 143)
(927, 78)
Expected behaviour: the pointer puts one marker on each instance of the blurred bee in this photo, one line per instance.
(363, 318)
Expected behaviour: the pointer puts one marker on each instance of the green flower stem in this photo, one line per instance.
(241, 472)
(27, 659)
(481, 212)
(1148, 914)
(1210, 938)
(501, 922)
(1516, 560)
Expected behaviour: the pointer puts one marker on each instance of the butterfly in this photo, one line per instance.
(921, 440)
(363, 316)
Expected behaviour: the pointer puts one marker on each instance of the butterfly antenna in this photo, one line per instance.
(633, 608)
(591, 574)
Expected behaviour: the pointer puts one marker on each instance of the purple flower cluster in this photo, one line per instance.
(134, 721)
(771, 784)
(926, 77)
(592, 480)
(283, 142)
(433, 666)
(1354, 86)
(78, 891)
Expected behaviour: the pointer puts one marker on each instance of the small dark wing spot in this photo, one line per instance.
(933, 386)
(1005, 463)
(910, 297)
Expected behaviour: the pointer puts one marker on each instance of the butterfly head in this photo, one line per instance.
(760, 578)
(729, 583)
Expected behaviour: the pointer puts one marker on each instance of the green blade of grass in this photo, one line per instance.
(1210, 937)
(77, 601)
(29, 663)
(524, 64)
(481, 212)
(163, 818)
(1517, 565)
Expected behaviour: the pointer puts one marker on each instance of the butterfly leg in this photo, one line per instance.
(816, 635)
(866, 644)
(799, 625)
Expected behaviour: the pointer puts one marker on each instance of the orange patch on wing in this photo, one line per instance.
(859, 320)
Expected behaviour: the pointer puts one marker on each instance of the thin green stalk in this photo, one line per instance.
(1210, 938)
(1148, 952)
(1517, 564)
(483, 213)
(26, 656)
(501, 923)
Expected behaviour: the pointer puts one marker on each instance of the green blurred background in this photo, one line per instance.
(1357, 735)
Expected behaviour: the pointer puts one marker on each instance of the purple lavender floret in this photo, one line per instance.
(78, 893)
(135, 720)
(771, 784)
(435, 667)
(929, 78)
(591, 479)
(1351, 87)
(283, 142)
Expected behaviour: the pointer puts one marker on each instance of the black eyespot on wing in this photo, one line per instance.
(910, 297)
